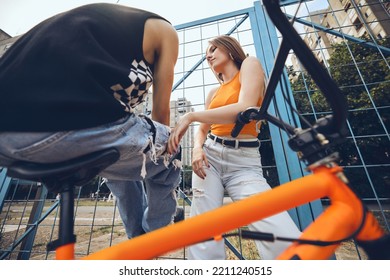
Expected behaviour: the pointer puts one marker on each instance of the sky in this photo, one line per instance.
(18, 16)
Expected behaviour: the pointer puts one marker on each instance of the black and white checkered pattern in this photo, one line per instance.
(134, 93)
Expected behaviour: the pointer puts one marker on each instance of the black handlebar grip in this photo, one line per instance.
(240, 122)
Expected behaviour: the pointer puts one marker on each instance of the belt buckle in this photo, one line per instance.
(223, 142)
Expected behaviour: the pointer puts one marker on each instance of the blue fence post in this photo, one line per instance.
(36, 212)
(288, 165)
(4, 186)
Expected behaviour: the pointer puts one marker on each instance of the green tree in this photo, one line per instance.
(356, 69)
(186, 177)
(363, 75)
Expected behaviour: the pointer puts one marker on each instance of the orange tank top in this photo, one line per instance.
(228, 94)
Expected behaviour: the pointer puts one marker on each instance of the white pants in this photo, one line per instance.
(239, 173)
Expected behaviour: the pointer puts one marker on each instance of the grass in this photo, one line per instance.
(247, 249)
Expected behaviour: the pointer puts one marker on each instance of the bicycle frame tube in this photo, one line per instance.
(291, 39)
(65, 252)
(342, 218)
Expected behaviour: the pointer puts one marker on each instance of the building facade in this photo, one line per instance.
(180, 107)
(356, 18)
(6, 42)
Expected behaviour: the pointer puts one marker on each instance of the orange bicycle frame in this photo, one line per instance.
(341, 219)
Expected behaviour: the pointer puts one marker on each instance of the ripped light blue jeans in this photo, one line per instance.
(239, 173)
(130, 135)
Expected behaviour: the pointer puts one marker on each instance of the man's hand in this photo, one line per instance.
(178, 132)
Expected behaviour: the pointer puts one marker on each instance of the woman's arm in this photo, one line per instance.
(252, 89)
(199, 159)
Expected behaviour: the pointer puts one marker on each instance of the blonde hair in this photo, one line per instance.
(232, 47)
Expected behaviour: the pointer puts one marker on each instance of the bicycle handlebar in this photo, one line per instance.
(292, 40)
(242, 119)
(311, 64)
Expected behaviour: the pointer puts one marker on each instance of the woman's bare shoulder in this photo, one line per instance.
(251, 61)
(251, 65)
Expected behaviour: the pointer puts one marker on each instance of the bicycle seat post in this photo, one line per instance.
(64, 245)
(66, 214)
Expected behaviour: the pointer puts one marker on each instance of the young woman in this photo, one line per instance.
(221, 163)
(69, 87)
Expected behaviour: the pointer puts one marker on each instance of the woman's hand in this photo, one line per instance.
(199, 162)
(177, 133)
